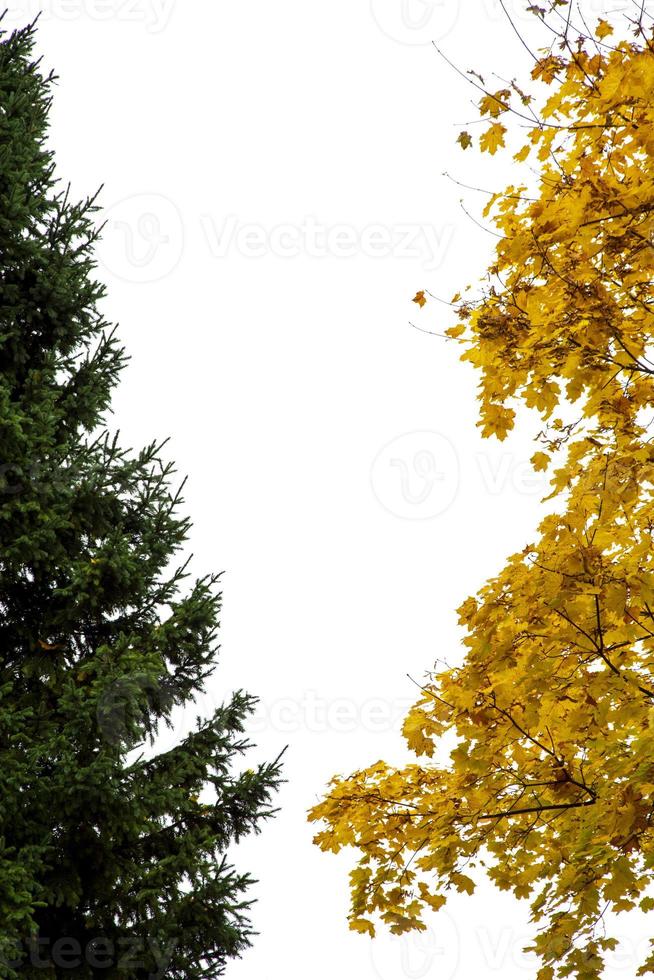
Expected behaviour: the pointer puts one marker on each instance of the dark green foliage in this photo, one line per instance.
(111, 864)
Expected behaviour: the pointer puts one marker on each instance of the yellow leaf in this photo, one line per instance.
(540, 461)
(547, 68)
(493, 138)
(435, 902)
(497, 421)
(463, 883)
(496, 104)
(603, 29)
(362, 925)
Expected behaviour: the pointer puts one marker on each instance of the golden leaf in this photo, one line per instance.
(493, 138)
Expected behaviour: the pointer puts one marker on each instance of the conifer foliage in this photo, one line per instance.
(113, 858)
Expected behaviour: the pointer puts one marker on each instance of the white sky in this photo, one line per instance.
(274, 194)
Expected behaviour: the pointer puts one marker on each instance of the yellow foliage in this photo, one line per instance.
(551, 711)
(493, 138)
(540, 461)
(603, 29)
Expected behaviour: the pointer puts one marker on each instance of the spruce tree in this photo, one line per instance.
(113, 857)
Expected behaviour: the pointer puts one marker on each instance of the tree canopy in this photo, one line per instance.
(549, 789)
(113, 855)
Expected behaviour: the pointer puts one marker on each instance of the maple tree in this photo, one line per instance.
(549, 789)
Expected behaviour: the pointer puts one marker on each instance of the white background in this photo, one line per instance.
(274, 192)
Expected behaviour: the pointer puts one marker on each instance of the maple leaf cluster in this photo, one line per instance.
(550, 786)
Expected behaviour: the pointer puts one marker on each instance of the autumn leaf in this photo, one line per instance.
(362, 925)
(464, 139)
(420, 298)
(603, 29)
(463, 883)
(540, 461)
(495, 105)
(546, 69)
(435, 902)
(417, 731)
(497, 421)
(493, 138)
